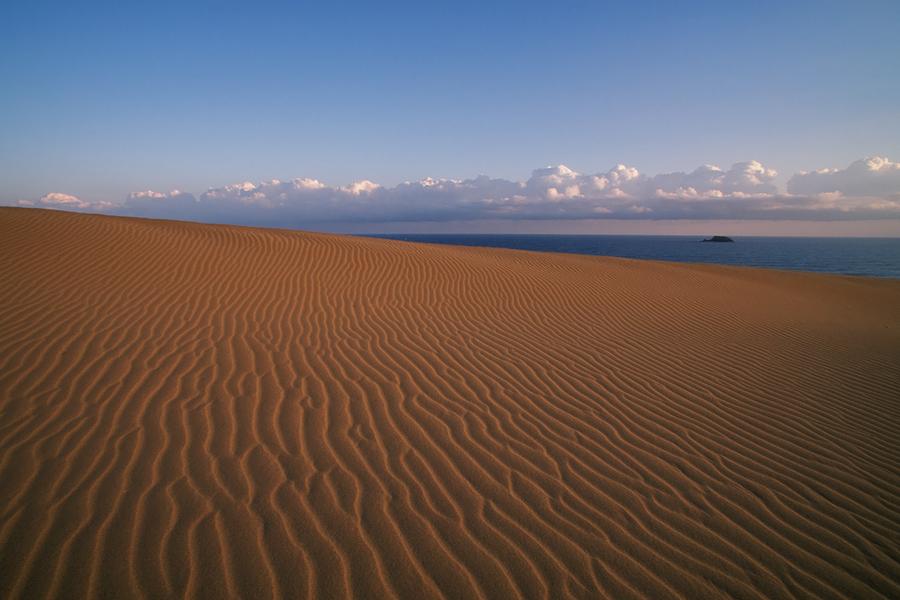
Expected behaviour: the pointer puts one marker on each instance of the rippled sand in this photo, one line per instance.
(213, 411)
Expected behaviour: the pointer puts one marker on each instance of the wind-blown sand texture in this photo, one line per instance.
(212, 411)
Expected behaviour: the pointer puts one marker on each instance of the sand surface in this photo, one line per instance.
(212, 411)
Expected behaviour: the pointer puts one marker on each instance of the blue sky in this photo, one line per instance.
(103, 99)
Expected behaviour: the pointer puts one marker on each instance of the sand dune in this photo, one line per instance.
(212, 411)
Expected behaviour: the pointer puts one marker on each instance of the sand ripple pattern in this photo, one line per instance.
(207, 411)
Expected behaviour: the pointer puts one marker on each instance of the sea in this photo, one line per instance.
(872, 257)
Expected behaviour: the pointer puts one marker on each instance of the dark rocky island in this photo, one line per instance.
(719, 238)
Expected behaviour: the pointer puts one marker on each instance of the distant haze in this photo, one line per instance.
(881, 228)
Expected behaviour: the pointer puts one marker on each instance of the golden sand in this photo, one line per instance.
(209, 411)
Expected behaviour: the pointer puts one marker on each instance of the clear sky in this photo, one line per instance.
(101, 99)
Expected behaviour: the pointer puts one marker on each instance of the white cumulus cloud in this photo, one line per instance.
(62, 201)
(866, 189)
(873, 176)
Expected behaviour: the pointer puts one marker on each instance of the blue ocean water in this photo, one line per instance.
(874, 257)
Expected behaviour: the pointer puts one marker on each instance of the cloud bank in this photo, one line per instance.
(870, 177)
(866, 189)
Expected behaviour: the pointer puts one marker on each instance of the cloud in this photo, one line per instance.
(60, 201)
(170, 205)
(362, 187)
(869, 177)
(709, 181)
(867, 189)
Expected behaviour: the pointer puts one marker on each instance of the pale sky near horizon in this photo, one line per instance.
(344, 102)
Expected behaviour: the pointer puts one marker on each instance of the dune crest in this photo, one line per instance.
(195, 410)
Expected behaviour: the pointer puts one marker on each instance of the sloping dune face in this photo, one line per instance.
(210, 411)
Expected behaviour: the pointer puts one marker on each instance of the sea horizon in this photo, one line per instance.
(860, 256)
